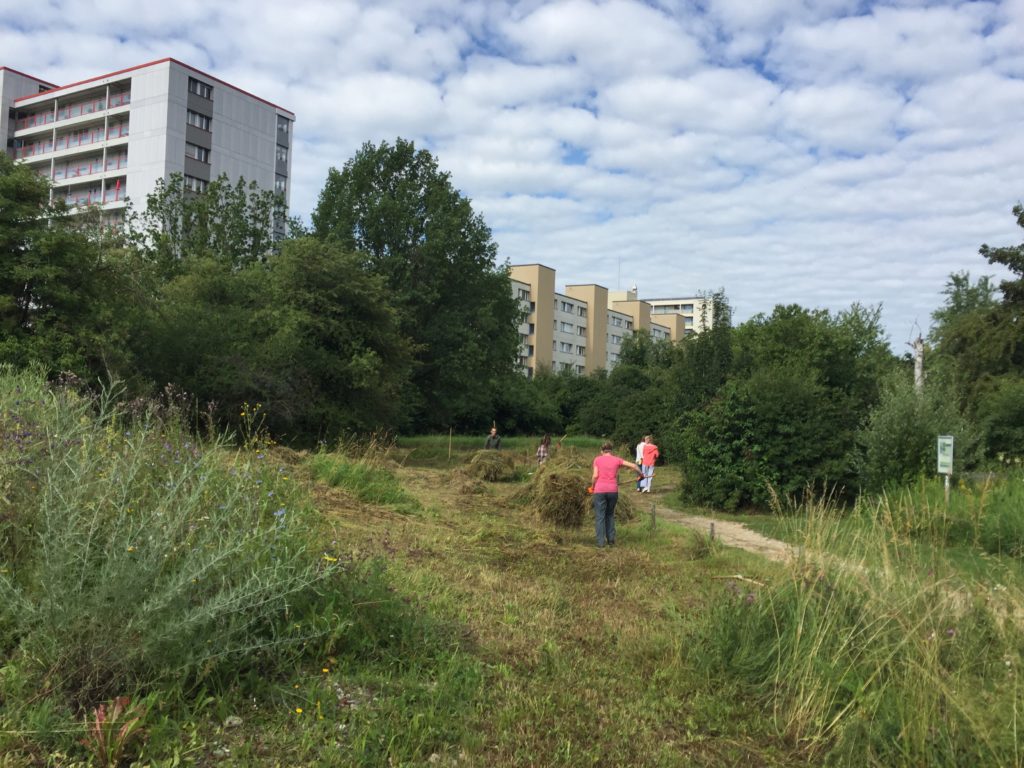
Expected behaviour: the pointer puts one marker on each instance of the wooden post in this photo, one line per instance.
(712, 530)
(654, 517)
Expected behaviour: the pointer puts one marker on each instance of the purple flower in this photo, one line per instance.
(279, 513)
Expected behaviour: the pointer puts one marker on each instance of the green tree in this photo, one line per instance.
(1011, 257)
(237, 223)
(65, 287)
(308, 334)
(772, 431)
(401, 213)
(897, 441)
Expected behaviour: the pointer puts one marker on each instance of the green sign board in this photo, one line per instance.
(945, 454)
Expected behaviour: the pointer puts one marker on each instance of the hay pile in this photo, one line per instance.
(464, 483)
(558, 494)
(493, 466)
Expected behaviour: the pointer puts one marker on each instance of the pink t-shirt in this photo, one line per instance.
(650, 454)
(607, 473)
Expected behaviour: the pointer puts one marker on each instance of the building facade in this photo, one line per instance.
(110, 138)
(583, 328)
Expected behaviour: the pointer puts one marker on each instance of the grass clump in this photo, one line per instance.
(364, 469)
(869, 659)
(136, 559)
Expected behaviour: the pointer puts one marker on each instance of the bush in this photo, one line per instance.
(897, 444)
(135, 556)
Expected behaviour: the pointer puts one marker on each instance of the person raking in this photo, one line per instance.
(605, 485)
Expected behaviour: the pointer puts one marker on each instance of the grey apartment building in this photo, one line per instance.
(109, 138)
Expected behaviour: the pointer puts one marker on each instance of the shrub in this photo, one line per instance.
(137, 557)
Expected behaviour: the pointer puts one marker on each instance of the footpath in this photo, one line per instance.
(727, 532)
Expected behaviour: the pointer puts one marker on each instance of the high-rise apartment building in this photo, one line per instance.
(104, 140)
(583, 329)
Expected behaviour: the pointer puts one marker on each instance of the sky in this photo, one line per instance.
(812, 152)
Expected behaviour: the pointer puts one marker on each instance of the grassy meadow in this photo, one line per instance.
(376, 603)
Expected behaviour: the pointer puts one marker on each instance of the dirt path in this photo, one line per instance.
(729, 533)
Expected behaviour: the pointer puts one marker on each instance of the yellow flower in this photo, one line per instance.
(131, 549)
(325, 670)
(298, 710)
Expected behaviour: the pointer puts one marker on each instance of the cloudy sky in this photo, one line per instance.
(818, 152)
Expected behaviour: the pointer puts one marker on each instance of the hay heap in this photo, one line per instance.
(493, 466)
(558, 494)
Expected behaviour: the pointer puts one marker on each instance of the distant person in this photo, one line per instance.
(651, 455)
(493, 440)
(605, 482)
(640, 461)
(544, 449)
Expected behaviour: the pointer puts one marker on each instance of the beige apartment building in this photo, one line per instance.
(582, 328)
(110, 138)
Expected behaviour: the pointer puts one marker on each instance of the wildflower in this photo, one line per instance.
(951, 632)
(280, 512)
(325, 670)
(298, 710)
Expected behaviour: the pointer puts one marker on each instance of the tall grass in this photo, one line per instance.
(364, 467)
(867, 658)
(134, 557)
(986, 514)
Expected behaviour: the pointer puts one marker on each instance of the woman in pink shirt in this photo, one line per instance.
(605, 482)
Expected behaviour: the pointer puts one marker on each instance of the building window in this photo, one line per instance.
(280, 184)
(581, 351)
(564, 346)
(629, 325)
(567, 307)
(282, 154)
(581, 330)
(202, 154)
(532, 329)
(282, 124)
(198, 120)
(195, 185)
(199, 88)
(524, 294)
(567, 328)
(583, 311)
(616, 339)
(580, 369)
(617, 322)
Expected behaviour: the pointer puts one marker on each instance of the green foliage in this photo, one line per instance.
(65, 287)
(1000, 414)
(307, 333)
(867, 661)
(898, 440)
(774, 430)
(401, 213)
(138, 558)
(233, 224)
(366, 476)
(1011, 257)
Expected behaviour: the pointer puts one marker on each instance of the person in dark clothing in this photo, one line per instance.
(493, 440)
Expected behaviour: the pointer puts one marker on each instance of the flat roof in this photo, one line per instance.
(143, 66)
(30, 77)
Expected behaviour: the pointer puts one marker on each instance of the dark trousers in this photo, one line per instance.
(604, 517)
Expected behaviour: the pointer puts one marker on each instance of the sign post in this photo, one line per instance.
(945, 462)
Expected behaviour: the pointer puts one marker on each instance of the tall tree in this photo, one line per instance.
(63, 283)
(236, 224)
(395, 207)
